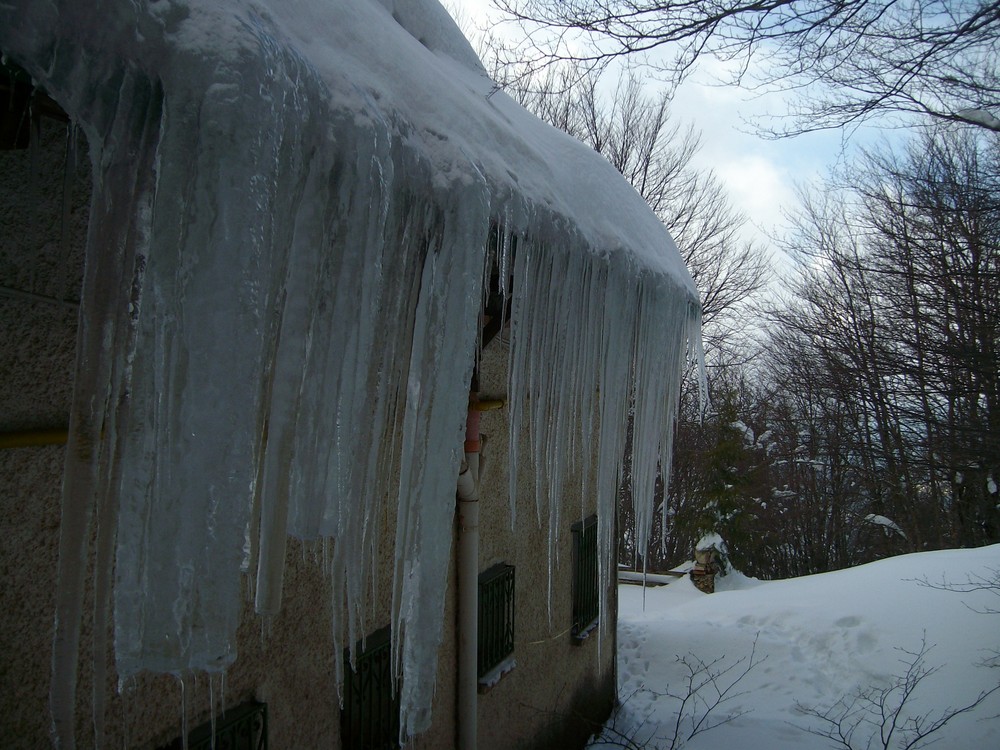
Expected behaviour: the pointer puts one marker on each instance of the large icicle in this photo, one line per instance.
(607, 341)
(215, 281)
(437, 402)
(107, 321)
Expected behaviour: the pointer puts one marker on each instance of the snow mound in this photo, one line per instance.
(818, 639)
(430, 24)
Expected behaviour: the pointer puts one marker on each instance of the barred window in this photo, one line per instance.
(370, 717)
(586, 601)
(240, 728)
(496, 616)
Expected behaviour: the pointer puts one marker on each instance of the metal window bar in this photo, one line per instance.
(496, 616)
(240, 728)
(370, 718)
(586, 601)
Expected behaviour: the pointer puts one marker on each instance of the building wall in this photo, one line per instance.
(548, 700)
(37, 353)
(561, 690)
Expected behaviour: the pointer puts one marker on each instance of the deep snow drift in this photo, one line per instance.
(819, 638)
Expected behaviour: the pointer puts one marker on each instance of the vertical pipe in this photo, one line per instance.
(468, 586)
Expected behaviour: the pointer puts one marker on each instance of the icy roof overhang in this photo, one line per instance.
(284, 272)
(402, 64)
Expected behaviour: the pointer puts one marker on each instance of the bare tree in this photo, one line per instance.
(705, 701)
(870, 424)
(846, 60)
(935, 257)
(883, 716)
(895, 319)
(989, 583)
(636, 134)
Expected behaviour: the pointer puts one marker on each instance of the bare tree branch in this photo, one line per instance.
(881, 716)
(708, 688)
(637, 136)
(847, 60)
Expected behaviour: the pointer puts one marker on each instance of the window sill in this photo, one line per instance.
(580, 638)
(489, 680)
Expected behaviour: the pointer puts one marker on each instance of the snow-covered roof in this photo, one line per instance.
(398, 64)
(286, 264)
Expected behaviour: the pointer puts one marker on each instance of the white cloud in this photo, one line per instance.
(759, 187)
(757, 174)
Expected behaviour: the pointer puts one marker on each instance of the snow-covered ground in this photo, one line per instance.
(818, 639)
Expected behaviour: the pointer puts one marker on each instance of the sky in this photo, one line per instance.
(814, 640)
(760, 175)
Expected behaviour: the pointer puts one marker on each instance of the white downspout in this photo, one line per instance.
(468, 585)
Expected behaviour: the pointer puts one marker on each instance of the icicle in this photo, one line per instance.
(126, 693)
(113, 271)
(222, 691)
(34, 125)
(216, 283)
(337, 602)
(441, 359)
(184, 718)
(629, 329)
(211, 706)
(64, 274)
(286, 387)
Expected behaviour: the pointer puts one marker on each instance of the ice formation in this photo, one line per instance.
(284, 273)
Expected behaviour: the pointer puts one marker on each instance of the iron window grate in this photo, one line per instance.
(370, 717)
(586, 600)
(496, 616)
(240, 728)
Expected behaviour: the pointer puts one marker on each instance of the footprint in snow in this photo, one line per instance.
(866, 641)
(851, 621)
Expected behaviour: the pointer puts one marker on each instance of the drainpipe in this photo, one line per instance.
(468, 583)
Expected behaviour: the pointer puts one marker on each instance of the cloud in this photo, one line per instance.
(757, 174)
(759, 187)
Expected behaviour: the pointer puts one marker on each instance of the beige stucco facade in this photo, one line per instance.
(553, 697)
(560, 686)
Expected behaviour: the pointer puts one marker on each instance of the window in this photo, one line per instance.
(21, 102)
(496, 617)
(240, 728)
(586, 600)
(370, 718)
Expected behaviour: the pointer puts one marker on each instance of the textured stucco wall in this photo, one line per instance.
(37, 352)
(559, 688)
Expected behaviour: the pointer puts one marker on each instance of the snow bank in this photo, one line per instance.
(820, 638)
(284, 273)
